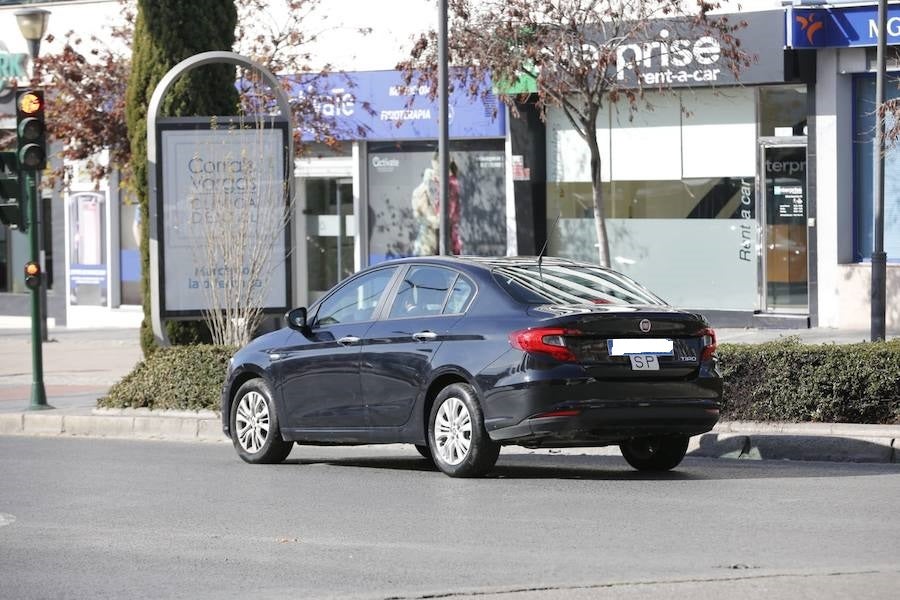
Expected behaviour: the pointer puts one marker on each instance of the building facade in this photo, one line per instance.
(747, 198)
(842, 156)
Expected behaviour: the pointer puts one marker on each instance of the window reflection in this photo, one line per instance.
(697, 198)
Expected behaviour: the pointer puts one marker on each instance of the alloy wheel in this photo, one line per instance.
(252, 421)
(453, 431)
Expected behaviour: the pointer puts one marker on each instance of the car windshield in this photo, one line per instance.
(571, 284)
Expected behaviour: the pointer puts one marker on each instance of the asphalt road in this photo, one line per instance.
(84, 518)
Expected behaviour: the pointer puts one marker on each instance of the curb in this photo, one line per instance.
(173, 425)
(744, 440)
(833, 442)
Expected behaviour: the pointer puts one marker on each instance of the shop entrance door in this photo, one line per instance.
(330, 229)
(784, 203)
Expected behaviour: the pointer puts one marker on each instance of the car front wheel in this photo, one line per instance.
(254, 425)
(459, 443)
(655, 453)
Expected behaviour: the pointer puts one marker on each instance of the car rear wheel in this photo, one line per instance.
(424, 451)
(460, 445)
(655, 453)
(254, 425)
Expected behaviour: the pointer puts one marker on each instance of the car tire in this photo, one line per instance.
(661, 453)
(254, 425)
(459, 443)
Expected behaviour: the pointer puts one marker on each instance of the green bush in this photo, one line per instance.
(790, 381)
(776, 381)
(178, 377)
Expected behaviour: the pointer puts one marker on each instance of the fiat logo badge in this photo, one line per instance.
(645, 325)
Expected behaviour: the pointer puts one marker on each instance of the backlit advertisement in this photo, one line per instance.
(87, 248)
(220, 186)
(403, 196)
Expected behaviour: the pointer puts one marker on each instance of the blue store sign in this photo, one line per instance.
(839, 27)
(378, 104)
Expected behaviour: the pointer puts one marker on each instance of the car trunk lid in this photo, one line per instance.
(619, 341)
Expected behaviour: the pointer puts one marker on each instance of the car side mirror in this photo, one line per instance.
(296, 319)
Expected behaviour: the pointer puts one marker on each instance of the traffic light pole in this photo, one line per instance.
(38, 393)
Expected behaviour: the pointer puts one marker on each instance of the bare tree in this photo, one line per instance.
(891, 112)
(277, 35)
(581, 55)
(87, 78)
(239, 227)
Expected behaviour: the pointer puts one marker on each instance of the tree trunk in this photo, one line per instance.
(596, 188)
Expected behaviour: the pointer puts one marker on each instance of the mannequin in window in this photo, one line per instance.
(425, 214)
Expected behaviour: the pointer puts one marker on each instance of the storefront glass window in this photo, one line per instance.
(87, 248)
(863, 174)
(129, 251)
(403, 199)
(691, 238)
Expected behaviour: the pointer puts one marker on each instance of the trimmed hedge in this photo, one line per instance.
(794, 382)
(178, 377)
(775, 381)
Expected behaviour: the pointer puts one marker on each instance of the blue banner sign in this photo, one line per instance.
(376, 105)
(839, 27)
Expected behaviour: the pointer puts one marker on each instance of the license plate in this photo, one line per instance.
(643, 347)
(644, 362)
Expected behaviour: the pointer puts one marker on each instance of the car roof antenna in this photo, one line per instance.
(547, 247)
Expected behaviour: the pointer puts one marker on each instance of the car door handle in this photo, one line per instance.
(424, 336)
(348, 340)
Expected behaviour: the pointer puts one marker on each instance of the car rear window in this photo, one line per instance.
(571, 284)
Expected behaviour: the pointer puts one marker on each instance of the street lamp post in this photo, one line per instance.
(879, 257)
(444, 243)
(33, 24)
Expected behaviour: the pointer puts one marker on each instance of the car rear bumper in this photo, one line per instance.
(602, 425)
(588, 412)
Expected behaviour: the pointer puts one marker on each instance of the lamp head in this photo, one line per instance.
(33, 25)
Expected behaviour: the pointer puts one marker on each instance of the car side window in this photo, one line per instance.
(356, 301)
(460, 295)
(423, 292)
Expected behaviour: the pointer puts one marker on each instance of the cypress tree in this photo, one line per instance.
(167, 32)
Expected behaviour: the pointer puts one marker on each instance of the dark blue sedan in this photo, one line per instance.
(460, 356)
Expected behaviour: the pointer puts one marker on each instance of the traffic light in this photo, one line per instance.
(12, 200)
(32, 275)
(32, 134)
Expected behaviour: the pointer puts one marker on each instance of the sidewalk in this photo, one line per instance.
(81, 365)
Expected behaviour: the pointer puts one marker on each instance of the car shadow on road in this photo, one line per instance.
(614, 468)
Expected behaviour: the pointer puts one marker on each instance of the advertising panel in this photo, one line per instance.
(87, 248)
(403, 200)
(222, 219)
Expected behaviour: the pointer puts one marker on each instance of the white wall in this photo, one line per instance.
(393, 24)
(716, 138)
(852, 291)
(833, 180)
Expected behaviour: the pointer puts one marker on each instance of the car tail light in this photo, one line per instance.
(708, 340)
(544, 340)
